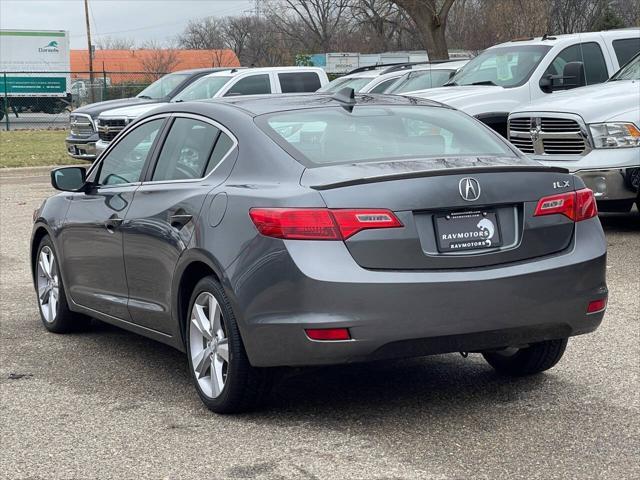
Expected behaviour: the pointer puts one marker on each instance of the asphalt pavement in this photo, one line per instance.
(107, 404)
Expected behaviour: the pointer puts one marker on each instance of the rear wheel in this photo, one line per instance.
(52, 301)
(535, 358)
(224, 379)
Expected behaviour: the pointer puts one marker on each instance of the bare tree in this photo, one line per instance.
(430, 18)
(116, 43)
(237, 34)
(379, 23)
(157, 60)
(203, 34)
(314, 23)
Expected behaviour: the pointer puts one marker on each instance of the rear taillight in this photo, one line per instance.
(319, 223)
(578, 206)
(328, 334)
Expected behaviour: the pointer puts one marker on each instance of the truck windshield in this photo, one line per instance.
(631, 71)
(206, 87)
(163, 86)
(332, 135)
(504, 66)
(351, 82)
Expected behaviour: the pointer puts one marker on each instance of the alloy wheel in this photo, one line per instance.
(208, 345)
(48, 284)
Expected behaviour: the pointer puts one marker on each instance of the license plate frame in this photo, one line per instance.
(474, 231)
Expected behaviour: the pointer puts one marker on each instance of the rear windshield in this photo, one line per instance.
(328, 136)
(420, 80)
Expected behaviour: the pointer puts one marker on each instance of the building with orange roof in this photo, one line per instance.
(140, 60)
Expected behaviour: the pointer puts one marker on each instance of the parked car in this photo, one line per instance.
(593, 131)
(234, 231)
(228, 83)
(83, 135)
(420, 78)
(509, 75)
(379, 78)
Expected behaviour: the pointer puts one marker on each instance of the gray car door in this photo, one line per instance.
(161, 222)
(91, 237)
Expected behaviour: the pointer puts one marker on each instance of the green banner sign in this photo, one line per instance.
(33, 85)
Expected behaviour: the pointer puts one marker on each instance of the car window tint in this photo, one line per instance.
(626, 48)
(382, 86)
(186, 150)
(590, 54)
(328, 136)
(124, 162)
(252, 85)
(299, 82)
(223, 145)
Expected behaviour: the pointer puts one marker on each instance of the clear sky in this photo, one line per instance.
(142, 20)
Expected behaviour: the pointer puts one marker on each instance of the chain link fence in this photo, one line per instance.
(43, 100)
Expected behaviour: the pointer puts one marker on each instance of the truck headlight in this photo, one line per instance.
(615, 135)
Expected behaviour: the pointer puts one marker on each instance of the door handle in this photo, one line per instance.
(112, 223)
(179, 220)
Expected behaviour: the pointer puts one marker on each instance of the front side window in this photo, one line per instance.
(251, 85)
(163, 86)
(626, 48)
(202, 89)
(505, 66)
(325, 136)
(299, 82)
(186, 150)
(590, 54)
(124, 162)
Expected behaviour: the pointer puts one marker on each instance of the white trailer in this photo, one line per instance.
(34, 70)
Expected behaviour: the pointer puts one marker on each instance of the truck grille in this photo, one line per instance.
(109, 128)
(547, 136)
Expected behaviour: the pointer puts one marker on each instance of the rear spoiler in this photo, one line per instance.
(437, 173)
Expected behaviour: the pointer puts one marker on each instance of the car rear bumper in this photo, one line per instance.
(83, 149)
(394, 314)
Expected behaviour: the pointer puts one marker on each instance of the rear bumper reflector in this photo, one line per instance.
(328, 334)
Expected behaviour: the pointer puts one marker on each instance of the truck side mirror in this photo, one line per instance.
(546, 83)
(573, 75)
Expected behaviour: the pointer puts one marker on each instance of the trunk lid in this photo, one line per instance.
(439, 225)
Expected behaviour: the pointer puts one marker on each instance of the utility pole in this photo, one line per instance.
(86, 16)
(258, 8)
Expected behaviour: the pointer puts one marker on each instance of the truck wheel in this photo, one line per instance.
(535, 358)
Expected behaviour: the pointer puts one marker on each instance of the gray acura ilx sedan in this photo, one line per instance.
(261, 232)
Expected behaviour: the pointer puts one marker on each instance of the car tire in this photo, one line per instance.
(224, 379)
(535, 358)
(52, 300)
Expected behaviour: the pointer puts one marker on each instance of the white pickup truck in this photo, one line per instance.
(506, 76)
(593, 131)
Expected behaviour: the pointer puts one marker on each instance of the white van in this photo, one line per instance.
(225, 83)
(511, 74)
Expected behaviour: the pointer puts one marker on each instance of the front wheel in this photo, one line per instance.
(535, 358)
(224, 379)
(52, 301)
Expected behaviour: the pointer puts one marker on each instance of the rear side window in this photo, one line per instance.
(382, 86)
(626, 49)
(325, 136)
(186, 150)
(299, 82)
(222, 147)
(590, 54)
(252, 85)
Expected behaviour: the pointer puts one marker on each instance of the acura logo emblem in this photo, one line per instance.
(469, 189)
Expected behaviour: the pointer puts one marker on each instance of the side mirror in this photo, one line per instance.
(546, 83)
(573, 75)
(69, 179)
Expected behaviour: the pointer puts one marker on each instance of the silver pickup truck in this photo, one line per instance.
(593, 131)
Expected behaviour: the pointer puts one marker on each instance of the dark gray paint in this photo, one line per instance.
(397, 296)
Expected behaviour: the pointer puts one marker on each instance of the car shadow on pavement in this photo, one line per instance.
(621, 222)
